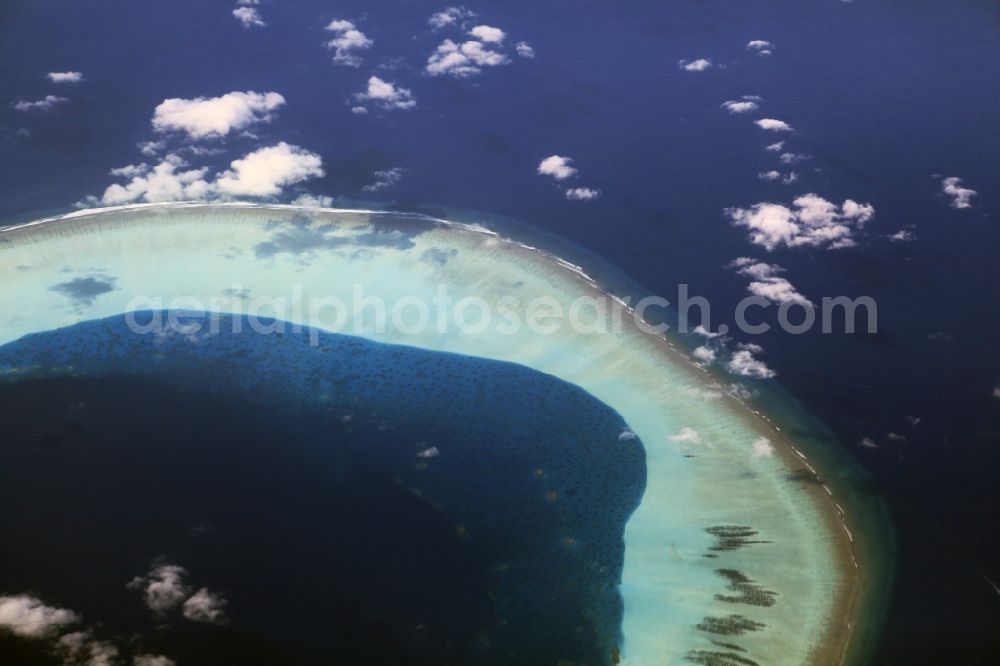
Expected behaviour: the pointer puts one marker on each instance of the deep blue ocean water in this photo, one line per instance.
(355, 502)
(886, 95)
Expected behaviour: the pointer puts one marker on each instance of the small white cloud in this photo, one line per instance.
(915, 420)
(705, 333)
(811, 222)
(65, 77)
(760, 47)
(386, 95)
(130, 171)
(743, 362)
(961, 197)
(151, 148)
(902, 236)
(626, 435)
(996, 392)
(705, 354)
(557, 166)
(163, 588)
(582, 194)
(486, 33)
(215, 117)
(265, 171)
(449, 16)
(81, 649)
(793, 158)
(347, 40)
(895, 437)
(463, 60)
(205, 606)
(312, 201)
(524, 50)
(28, 617)
(740, 106)
(152, 660)
(775, 147)
(868, 443)
(762, 448)
(430, 452)
(785, 178)
(384, 180)
(359, 110)
(773, 125)
(687, 435)
(766, 282)
(248, 17)
(699, 65)
(48, 103)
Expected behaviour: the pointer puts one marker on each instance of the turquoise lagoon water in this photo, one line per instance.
(735, 551)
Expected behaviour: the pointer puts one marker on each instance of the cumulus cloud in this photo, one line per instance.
(761, 47)
(524, 50)
(785, 178)
(762, 448)
(312, 201)
(151, 148)
(449, 16)
(347, 40)
(812, 221)
(996, 392)
(384, 180)
(868, 443)
(766, 282)
(743, 362)
(205, 606)
(961, 197)
(626, 435)
(794, 158)
(705, 354)
(705, 333)
(80, 648)
(215, 117)
(152, 660)
(902, 236)
(557, 166)
(773, 125)
(164, 182)
(28, 617)
(65, 77)
(463, 60)
(265, 171)
(687, 435)
(248, 17)
(582, 194)
(386, 95)
(48, 103)
(775, 147)
(699, 65)
(163, 588)
(744, 105)
(261, 173)
(489, 34)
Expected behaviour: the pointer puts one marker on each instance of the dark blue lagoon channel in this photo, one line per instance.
(236, 497)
